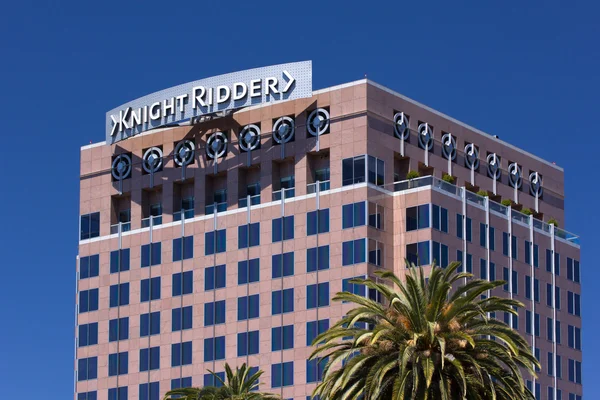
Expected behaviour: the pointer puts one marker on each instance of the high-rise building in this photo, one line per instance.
(224, 238)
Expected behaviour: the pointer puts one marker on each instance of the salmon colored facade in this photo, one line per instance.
(156, 308)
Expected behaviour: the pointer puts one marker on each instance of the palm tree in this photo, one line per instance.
(239, 385)
(430, 340)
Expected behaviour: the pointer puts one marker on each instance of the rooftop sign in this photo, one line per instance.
(209, 95)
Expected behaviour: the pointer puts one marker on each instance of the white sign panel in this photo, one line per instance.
(209, 95)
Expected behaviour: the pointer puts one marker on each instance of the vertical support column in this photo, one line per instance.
(282, 292)
(532, 290)
(463, 193)
(510, 260)
(248, 221)
(552, 247)
(487, 241)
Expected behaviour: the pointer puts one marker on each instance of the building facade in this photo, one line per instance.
(225, 240)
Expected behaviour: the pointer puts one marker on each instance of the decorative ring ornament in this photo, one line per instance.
(493, 168)
(471, 156)
(318, 122)
(535, 184)
(216, 145)
(515, 178)
(425, 136)
(401, 126)
(121, 167)
(449, 146)
(283, 130)
(249, 137)
(152, 160)
(184, 153)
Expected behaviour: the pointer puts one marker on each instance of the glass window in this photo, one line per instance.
(282, 338)
(215, 277)
(282, 301)
(283, 229)
(317, 222)
(87, 368)
(459, 226)
(515, 250)
(376, 171)
(181, 318)
(469, 230)
(119, 393)
(317, 258)
(90, 226)
(482, 238)
(118, 329)
(88, 300)
(244, 237)
(375, 252)
(440, 254)
(247, 343)
(215, 242)
(354, 288)
(376, 215)
(282, 374)
(149, 359)
(150, 289)
(214, 348)
(150, 324)
(317, 295)
(248, 307)
(88, 334)
(417, 217)
(87, 396)
(418, 253)
(119, 294)
(151, 254)
(183, 283)
(353, 215)
(314, 329)
(248, 271)
(149, 391)
(354, 252)
(528, 252)
(89, 266)
(181, 354)
(119, 260)
(118, 364)
(179, 383)
(353, 170)
(440, 218)
(183, 248)
(214, 313)
(282, 264)
(211, 380)
(314, 369)
(536, 256)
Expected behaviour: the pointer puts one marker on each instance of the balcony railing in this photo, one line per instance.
(312, 187)
(291, 192)
(125, 227)
(156, 220)
(254, 200)
(413, 183)
(187, 214)
(474, 198)
(220, 207)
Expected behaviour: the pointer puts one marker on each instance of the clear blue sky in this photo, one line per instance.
(526, 71)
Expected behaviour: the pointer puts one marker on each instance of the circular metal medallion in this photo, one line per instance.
(425, 136)
(449, 146)
(184, 153)
(471, 156)
(152, 160)
(493, 168)
(515, 178)
(535, 184)
(283, 130)
(401, 126)
(318, 122)
(121, 167)
(216, 145)
(249, 137)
